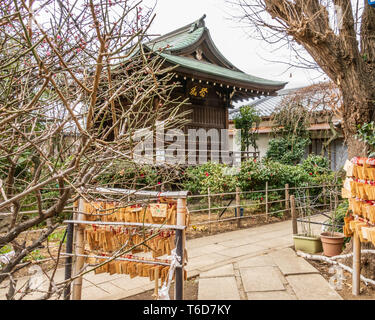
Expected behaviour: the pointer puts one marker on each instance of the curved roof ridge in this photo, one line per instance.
(191, 27)
(215, 69)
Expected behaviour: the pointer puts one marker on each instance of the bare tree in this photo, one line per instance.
(75, 83)
(338, 35)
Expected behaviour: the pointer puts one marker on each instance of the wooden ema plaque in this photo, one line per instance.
(158, 210)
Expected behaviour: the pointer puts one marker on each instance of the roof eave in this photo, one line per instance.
(228, 81)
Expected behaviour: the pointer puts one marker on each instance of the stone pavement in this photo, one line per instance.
(254, 263)
(278, 275)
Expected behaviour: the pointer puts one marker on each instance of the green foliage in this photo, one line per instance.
(317, 165)
(209, 175)
(287, 150)
(57, 236)
(292, 120)
(253, 175)
(248, 122)
(338, 216)
(34, 256)
(366, 133)
(5, 249)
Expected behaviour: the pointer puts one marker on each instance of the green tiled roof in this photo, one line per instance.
(216, 70)
(188, 37)
(178, 41)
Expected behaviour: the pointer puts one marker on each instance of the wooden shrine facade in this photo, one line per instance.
(209, 81)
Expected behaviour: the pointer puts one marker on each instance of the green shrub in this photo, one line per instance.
(287, 150)
(209, 175)
(338, 216)
(317, 165)
(253, 175)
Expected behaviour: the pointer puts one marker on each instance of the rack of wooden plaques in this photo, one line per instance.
(359, 188)
(136, 240)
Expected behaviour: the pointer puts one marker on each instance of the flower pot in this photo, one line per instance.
(332, 243)
(307, 244)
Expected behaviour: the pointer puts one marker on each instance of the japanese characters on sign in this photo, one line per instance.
(197, 91)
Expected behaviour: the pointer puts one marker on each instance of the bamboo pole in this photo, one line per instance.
(267, 201)
(356, 284)
(287, 198)
(209, 208)
(156, 291)
(180, 247)
(79, 249)
(238, 206)
(294, 214)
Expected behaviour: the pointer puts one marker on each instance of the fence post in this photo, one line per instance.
(294, 214)
(209, 209)
(238, 205)
(267, 201)
(356, 285)
(68, 260)
(79, 249)
(180, 247)
(287, 199)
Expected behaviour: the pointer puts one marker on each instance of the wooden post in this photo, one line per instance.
(180, 247)
(287, 199)
(209, 209)
(294, 214)
(238, 206)
(324, 195)
(267, 201)
(79, 249)
(356, 280)
(156, 291)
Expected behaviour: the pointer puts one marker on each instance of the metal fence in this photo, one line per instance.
(314, 198)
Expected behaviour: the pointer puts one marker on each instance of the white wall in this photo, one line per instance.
(339, 151)
(262, 144)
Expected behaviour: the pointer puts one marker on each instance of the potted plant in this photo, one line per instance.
(333, 238)
(307, 241)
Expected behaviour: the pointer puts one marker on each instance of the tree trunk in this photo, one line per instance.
(348, 62)
(358, 105)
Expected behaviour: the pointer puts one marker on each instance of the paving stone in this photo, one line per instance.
(211, 248)
(205, 261)
(238, 242)
(224, 271)
(272, 235)
(269, 295)
(113, 290)
(93, 293)
(126, 283)
(224, 288)
(294, 265)
(199, 242)
(283, 252)
(312, 287)
(261, 279)
(99, 278)
(241, 250)
(275, 243)
(258, 261)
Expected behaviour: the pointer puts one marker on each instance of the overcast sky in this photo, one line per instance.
(245, 53)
